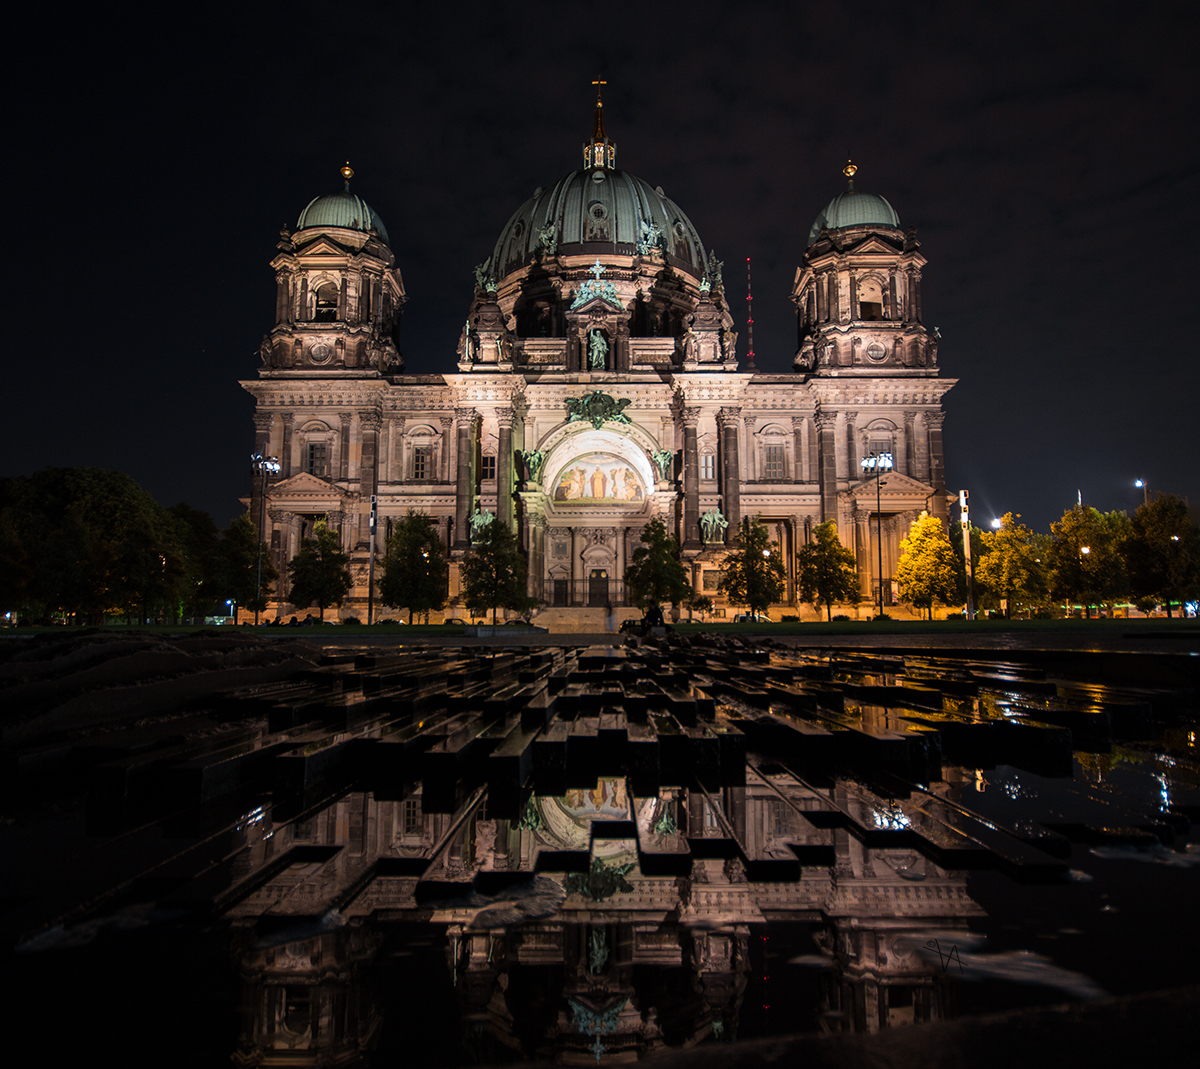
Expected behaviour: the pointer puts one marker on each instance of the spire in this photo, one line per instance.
(850, 170)
(347, 173)
(600, 150)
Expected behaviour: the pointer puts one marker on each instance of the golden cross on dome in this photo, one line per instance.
(850, 170)
(347, 172)
(599, 102)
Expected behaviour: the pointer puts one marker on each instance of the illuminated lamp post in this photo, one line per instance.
(264, 466)
(1141, 485)
(878, 463)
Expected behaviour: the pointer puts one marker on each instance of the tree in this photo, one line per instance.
(91, 542)
(493, 573)
(701, 604)
(1162, 552)
(927, 571)
(656, 576)
(320, 572)
(826, 572)
(753, 574)
(235, 575)
(415, 572)
(1084, 557)
(197, 536)
(1011, 565)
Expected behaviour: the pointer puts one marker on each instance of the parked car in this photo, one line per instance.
(752, 618)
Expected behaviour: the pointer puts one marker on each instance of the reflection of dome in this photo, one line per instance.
(853, 208)
(598, 211)
(342, 209)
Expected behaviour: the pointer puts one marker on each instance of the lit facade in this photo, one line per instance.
(598, 387)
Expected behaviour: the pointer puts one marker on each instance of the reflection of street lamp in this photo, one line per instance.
(878, 463)
(264, 466)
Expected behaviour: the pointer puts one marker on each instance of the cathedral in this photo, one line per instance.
(598, 387)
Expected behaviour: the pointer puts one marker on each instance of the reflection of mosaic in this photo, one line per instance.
(599, 477)
(566, 820)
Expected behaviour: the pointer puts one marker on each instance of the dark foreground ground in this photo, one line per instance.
(84, 713)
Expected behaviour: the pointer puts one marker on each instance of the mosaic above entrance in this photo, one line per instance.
(599, 478)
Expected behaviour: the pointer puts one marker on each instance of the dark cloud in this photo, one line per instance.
(1046, 153)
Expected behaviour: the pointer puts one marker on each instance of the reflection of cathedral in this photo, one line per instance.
(649, 947)
(598, 387)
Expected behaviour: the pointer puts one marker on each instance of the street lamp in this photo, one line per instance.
(1141, 485)
(996, 525)
(264, 466)
(878, 463)
(232, 606)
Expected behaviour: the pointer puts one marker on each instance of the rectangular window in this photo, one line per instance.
(487, 467)
(411, 817)
(422, 464)
(708, 466)
(316, 459)
(773, 462)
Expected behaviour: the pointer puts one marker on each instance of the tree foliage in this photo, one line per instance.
(493, 573)
(320, 572)
(87, 542)
(753, 570)
(656, 575)
(1012, 564)
(1084, 557)
(928, 571)
(235, 569)
(826, 571)
(1162, 552)
(415, 572)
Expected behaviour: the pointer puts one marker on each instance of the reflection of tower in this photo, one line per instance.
(309, 1002)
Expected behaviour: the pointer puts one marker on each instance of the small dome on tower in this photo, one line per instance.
(343, 209)
(854, 208)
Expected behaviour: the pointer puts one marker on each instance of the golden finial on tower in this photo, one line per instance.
(850, 170)
(347, 173)
(599, 151)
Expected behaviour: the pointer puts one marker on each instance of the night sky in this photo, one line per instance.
(1047, 153)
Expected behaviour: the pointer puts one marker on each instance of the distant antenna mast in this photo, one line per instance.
(749, 319)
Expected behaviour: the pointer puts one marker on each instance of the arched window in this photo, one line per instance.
(326, 307)
(870, 299)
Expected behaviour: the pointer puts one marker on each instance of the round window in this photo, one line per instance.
(320, 352)
(597, 210)
(876, 352)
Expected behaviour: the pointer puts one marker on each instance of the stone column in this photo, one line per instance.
(937, 471)
(909, 450)
(302, 309)
(619, 564)
(921, 448)
(916, 284)
(691, 480)
(827, 464)
(343, 306)
(282, 298)
(504, 469)
(343, 460)
(279, 552)
(396, 473)
(537, 555)
(862, 550)
(753, 471)
(576, 565)
(368, 475)
(853, 472)
(285, 451)
(799, 453)
(729, 421)
(854, 295)
(444, 461)
(464, 419)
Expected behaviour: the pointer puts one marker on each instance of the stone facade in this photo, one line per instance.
(598, 387)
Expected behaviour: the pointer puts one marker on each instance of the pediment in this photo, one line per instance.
(873, 244)
(324, 246)
(595, 305)
(306, 485)
(894, 485)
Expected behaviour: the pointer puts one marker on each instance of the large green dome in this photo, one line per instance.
(853, 208)
(342, 209)
(597, 211)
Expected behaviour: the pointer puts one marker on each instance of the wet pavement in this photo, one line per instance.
(592, 854)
